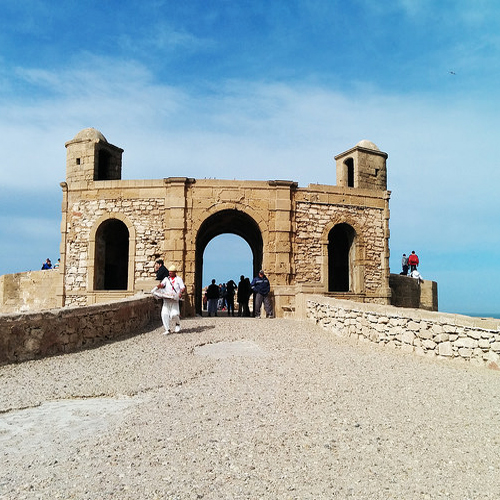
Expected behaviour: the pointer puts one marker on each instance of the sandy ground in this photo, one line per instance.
(240, 408)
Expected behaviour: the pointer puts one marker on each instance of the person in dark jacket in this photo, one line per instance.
(261, 287)
(160, 270)
(212, 298)
(230, 290)
(47, 265)
(244, 292)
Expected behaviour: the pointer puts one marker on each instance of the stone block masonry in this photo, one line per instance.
(426, 333)
(28, 336)
(29, 291)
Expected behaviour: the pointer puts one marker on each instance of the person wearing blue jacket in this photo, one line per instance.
(261, 287)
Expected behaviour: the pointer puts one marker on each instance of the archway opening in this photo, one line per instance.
(226, 257)
(340, 258)
(103, 166)
(232, 222)
(111, 256)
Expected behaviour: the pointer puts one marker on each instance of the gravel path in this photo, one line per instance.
(239, 408)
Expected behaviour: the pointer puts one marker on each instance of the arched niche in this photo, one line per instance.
(111, 254)
(349, 165)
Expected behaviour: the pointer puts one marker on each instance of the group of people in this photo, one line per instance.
(411, 263)
(171, 289)
(220, 297)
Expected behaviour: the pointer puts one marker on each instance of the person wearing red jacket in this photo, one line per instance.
(413, 261)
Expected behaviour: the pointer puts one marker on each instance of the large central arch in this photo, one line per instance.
(226, 221)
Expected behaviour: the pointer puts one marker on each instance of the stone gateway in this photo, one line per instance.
(331, 240)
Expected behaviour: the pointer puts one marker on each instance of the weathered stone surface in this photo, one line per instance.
(408, 338)
(495, 346)
(465, 352)
(437, 329)
(466, 342)
(484, 344)
(442, 337)
(445, 349)
(425, 333)
(429, 344)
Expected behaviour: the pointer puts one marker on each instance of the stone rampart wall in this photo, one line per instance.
(29, 291)
(35, 335)
(414, 293)
(426, 333)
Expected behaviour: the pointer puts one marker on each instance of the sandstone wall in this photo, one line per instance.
(35, 335)
(426, 333)
(29, 291)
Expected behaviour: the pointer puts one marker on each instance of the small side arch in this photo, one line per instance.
(111, 254)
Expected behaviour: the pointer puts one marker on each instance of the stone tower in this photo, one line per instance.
(89, 157)
(362, 167)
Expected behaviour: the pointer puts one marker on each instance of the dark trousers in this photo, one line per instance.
(230, 305)
(268, 307)
(243, 309)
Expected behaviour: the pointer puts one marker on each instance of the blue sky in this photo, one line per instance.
(264, 90)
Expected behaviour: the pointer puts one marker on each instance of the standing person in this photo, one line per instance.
(174, 288)
(413, 261)
(246, 308)
(244, 291)
(404, 263)
(47, 265)
(260, 285)
(160, 270)
(222, 297)
(213, 298)
(230, 290)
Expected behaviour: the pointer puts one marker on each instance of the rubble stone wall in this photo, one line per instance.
(28, 336)
(144, 214)
(313, 220)
(426, 333)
